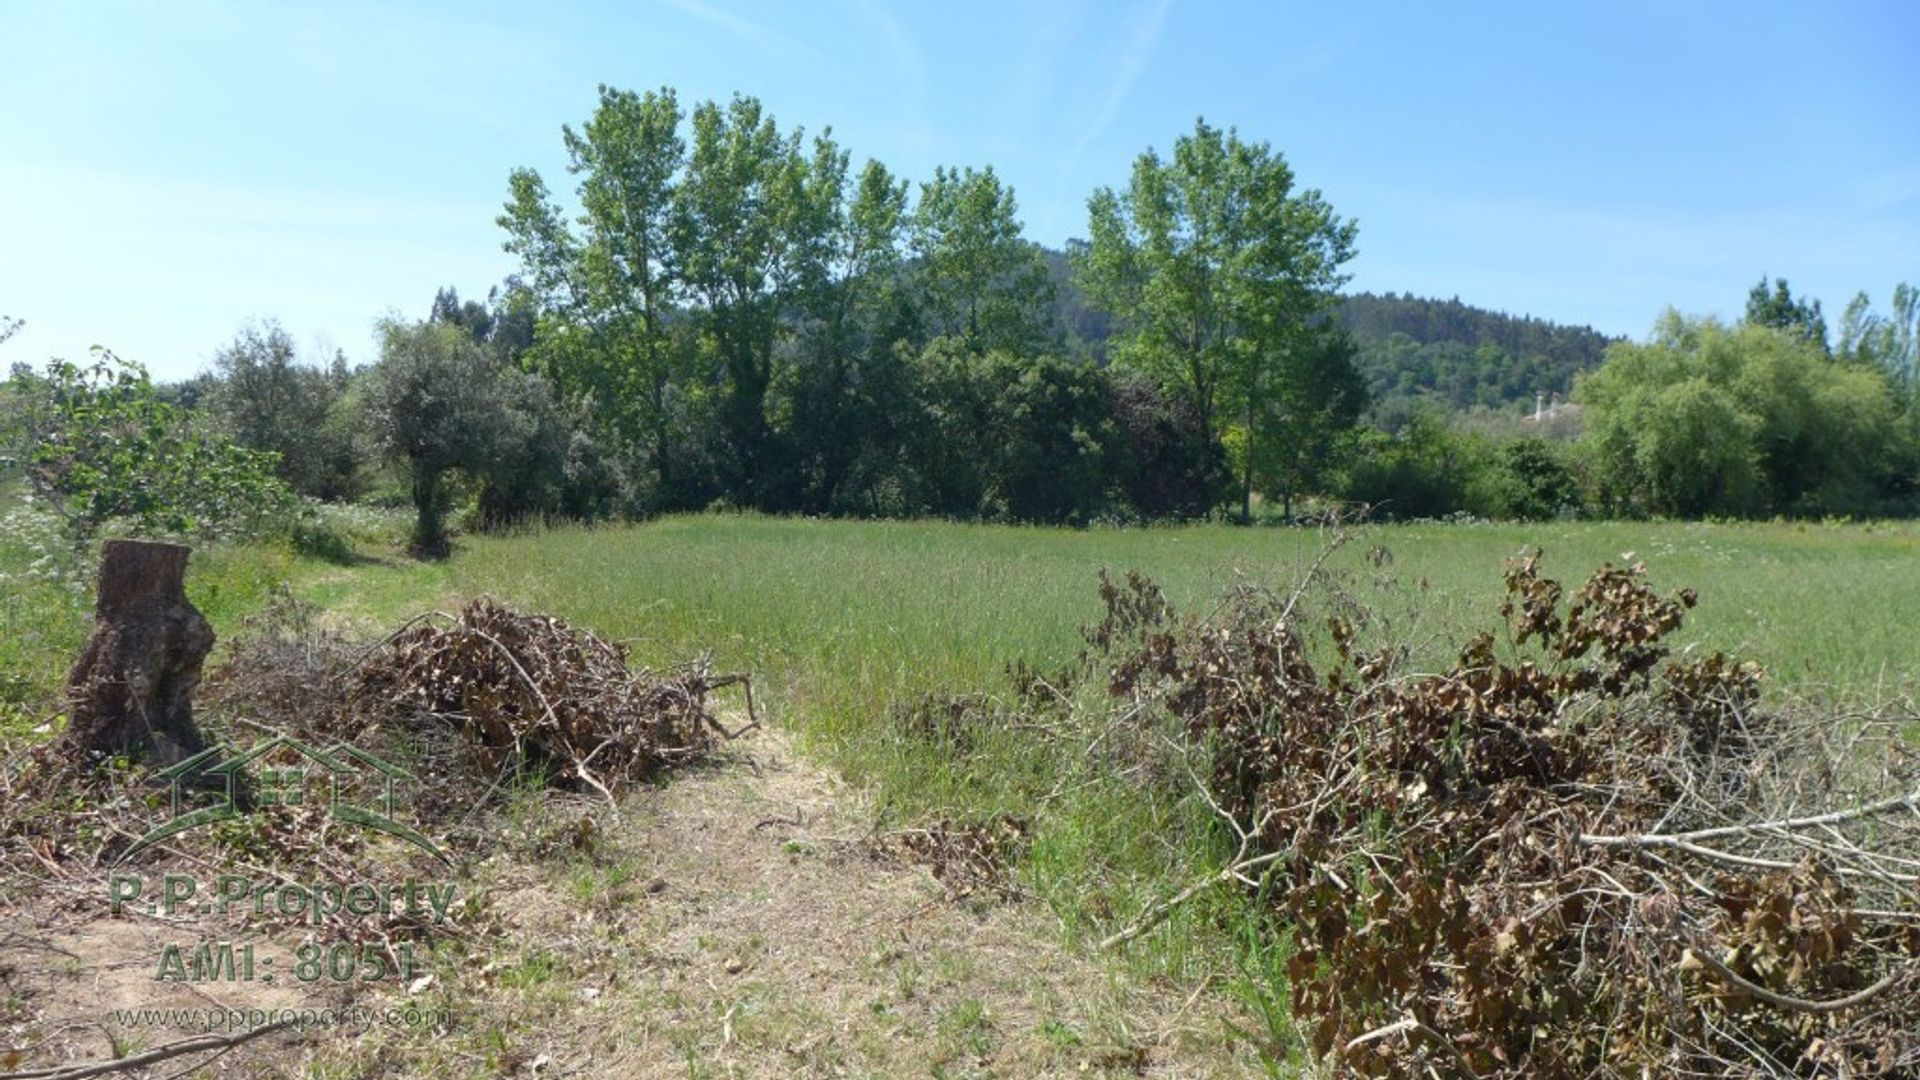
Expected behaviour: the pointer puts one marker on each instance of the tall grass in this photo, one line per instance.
(855, 613)
(841, 621)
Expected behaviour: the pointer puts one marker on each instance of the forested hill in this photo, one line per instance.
(1370, 318)
(1411, 348)
(1461, 355)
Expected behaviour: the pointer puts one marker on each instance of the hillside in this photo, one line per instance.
(1461, 355)
(1411, 348)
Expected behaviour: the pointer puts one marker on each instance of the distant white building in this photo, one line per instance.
(1553, 418)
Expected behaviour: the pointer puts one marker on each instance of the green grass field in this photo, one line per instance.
(844, 615)
(840, 622)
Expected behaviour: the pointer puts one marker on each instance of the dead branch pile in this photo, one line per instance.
(1570, 853)
(528, 692)
(534, 690)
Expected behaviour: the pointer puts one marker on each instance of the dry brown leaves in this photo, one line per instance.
(1568, 854)
(967, 857)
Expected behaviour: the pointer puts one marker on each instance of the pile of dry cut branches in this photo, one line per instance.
(1569, 853)
(533, 689)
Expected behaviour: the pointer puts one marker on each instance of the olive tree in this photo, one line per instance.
(268, 399)
(438, 403)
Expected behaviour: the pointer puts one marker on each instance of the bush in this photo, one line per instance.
(1011, 438)
(98, 446)
(1428, 470)
(1705, 419)
(315, 539)
(1528, 479)
(1165, 468)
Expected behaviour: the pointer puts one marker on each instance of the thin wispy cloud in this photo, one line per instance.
(1136, 52)
(910, 64)
(168, 170)
(1888, 189)
(1049, 37)
(743, 27)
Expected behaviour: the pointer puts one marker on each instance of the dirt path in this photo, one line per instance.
(729, 923)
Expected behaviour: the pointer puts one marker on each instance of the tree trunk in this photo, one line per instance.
(1246, 489)
(131, 691)
(429, 532)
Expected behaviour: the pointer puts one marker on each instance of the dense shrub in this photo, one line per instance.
(101, 449)
(1529, 479)
(1167, 469)
(1426, 471)
(1708, 419)
(1010, 438)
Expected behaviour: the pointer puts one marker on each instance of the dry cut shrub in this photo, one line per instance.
(1570, 853)
(506, 689)
(534, 690)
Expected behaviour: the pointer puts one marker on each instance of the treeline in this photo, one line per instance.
(1762, 418)
(728, 313)
(724, 313)
(1412, 351)
(1371, 318)
(753, 322)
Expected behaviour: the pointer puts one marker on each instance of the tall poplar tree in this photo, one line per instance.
(608, 285)
(753, 217)
(980, 280)
(1215, 267)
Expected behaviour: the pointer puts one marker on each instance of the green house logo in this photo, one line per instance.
(354, 786)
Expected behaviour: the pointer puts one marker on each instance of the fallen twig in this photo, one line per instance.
(1158, 913)
(160, 1053)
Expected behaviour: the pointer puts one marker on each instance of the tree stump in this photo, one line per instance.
(131, 691)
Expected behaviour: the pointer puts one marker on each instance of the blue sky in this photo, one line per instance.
(168, 171)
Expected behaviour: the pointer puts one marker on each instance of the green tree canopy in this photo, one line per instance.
(99, 447)
(1781, 310)
(268, 399)
(608, 288)
(979, 279)
(753, 219)
(437, 402)
(1890, 342)
(1709, 419)
(1214, 264)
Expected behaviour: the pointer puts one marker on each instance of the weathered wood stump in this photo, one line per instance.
(131, 691)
